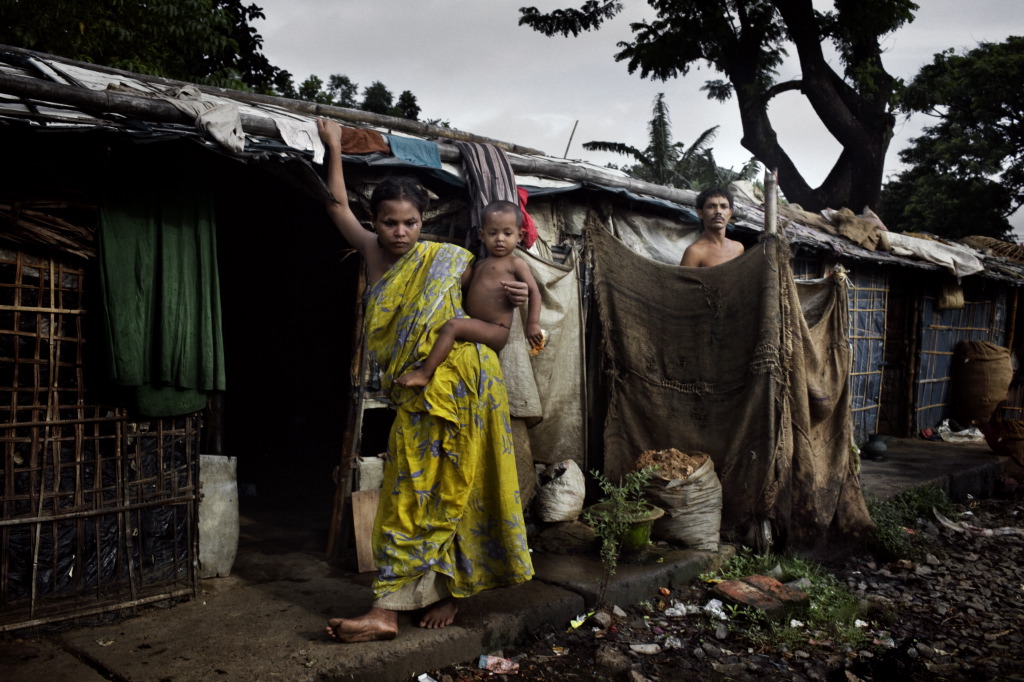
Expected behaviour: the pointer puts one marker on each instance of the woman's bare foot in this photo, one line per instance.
(441, 614)
(416, 377)
(376, 624)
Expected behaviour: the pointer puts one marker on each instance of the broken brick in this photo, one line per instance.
(763, 593)
(784, 593)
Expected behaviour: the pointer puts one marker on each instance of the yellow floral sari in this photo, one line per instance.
(450, 500)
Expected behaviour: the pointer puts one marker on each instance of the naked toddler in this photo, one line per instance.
(488, 307)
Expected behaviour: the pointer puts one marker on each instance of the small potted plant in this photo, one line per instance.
(622, 520)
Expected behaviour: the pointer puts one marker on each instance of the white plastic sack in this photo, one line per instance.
(561, 492)
(693, 508)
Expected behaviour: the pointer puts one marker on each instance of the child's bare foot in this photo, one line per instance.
(441, 614)
(376, 624)
(413, 379)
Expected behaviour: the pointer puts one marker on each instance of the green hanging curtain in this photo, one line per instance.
(161, 297)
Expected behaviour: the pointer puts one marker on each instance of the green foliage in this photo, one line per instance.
(203, 41)
(407, 106)
(621, 506)
(670, 163)
(746, 41)
(211, 42)
(377, 98)
(312, 90)
(342, 90)
(895, 534)
(967, 170)
(831, 613)
(566, 21)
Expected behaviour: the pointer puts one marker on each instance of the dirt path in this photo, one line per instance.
(957, 615)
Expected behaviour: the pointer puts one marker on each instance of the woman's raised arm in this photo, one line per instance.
(344, 219)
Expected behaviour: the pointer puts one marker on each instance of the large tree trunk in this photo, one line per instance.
(854, 181)
(859, 121)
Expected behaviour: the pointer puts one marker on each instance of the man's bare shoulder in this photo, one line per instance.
(694, 254)
(705, 253)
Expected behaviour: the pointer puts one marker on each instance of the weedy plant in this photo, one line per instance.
(621, 506)
(897, 521)
(830, 615)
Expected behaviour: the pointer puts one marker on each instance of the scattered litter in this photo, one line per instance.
(104, 642)
(976, 530)
(617, 612)
(714, 607)
(950, 435)
(794, 623)
(885, 640)
(425, 678)
(580, 620)
(664, 591)
(678, 610)
(672, 642)
(497, 664)
(803, 584)
(858, 623)
(645, 648)
(559, 650)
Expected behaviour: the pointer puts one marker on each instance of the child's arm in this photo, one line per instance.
(360, 238)
(523, 274)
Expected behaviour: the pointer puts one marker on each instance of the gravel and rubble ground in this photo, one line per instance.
(955, 614)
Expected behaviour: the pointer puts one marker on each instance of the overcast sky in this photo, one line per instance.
(470, 63)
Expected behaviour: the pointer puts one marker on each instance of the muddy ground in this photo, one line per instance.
(955, 614)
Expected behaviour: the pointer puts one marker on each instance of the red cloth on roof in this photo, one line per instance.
(529, 227)
(362, 141)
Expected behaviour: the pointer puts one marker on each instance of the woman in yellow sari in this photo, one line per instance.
(450, 521)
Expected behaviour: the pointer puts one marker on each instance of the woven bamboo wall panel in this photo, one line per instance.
(98, 510)
(982, 318)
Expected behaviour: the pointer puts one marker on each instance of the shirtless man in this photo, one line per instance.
(714, 207)
(489, 310)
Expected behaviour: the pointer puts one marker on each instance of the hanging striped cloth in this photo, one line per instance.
(490, 178)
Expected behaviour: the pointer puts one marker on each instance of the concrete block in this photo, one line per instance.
(218, 515)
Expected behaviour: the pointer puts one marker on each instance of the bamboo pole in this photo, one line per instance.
(351, 439)
(90, 513)
(80, 613)
(771, 201)
(296, 106)
(914, 361)
(1011, 328)
(161, 110)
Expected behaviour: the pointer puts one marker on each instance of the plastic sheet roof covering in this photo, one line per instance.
(823, 243)
(37, 111)
(42, 112)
